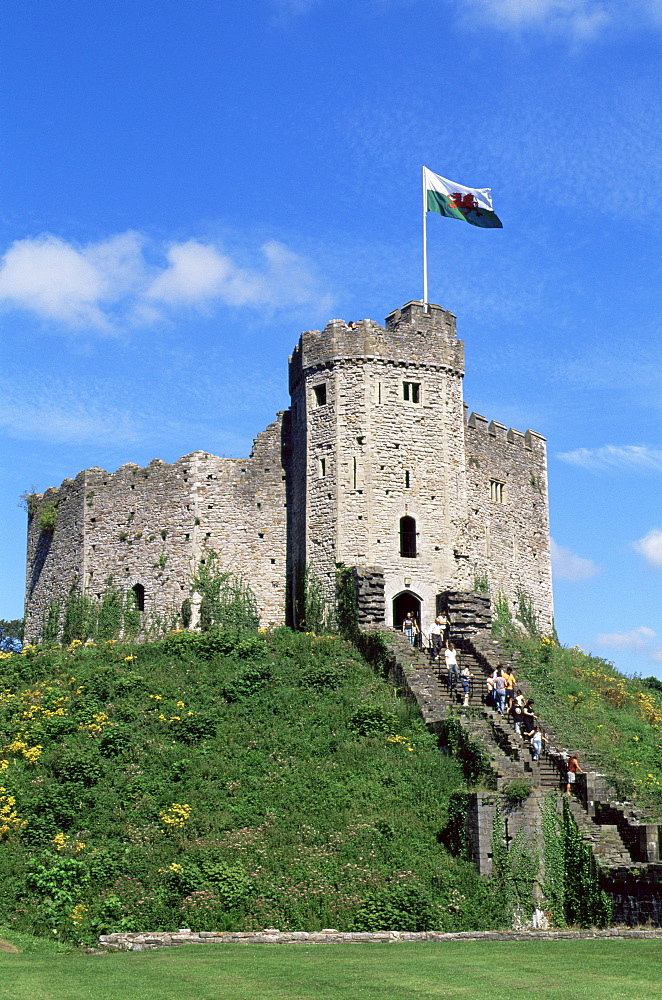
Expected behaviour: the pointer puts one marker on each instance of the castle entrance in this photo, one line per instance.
(404, 602)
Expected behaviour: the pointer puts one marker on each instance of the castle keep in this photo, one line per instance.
(375, 465)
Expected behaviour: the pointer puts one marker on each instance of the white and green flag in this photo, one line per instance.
(456, 201)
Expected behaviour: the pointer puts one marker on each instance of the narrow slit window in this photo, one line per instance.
(497, 491)
(407, 479)
(320, 394)
(408, 537)
(411, 392)
(354, 473)
(322, 467)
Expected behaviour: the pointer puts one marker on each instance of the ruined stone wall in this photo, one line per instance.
(54, 559)
(151, 526)
(507, 532)
(139, 527)
(242, 508)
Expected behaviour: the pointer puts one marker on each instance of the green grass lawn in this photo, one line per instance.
(472, 970)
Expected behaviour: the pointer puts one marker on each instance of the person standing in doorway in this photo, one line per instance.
(410, 628)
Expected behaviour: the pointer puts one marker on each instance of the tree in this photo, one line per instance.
(11, 635)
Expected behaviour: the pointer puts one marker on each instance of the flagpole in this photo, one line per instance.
(425, 248)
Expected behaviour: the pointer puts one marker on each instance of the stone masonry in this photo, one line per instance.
(375, 465)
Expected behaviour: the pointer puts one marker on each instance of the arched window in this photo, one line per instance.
(139, 591)
(408, 537)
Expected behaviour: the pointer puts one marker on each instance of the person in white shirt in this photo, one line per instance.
(450, 655)
(436, 634)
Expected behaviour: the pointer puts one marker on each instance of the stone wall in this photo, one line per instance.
(151, 526)
(55, 560)
(507, 527)
(150, 940)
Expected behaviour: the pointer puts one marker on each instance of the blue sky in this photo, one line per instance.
(187, 186)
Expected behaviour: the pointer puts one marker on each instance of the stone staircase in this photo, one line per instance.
(604, 838)
(623, 840)
(510, 756)
(617, 834)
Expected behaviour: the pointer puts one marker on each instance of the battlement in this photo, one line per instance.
(503, 435)
(411, 335)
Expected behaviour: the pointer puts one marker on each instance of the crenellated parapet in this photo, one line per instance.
(411, 336)
(500, 434)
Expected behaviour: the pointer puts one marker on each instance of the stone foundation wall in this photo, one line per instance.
(147, 941)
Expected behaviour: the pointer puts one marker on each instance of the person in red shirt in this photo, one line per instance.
(573, 770)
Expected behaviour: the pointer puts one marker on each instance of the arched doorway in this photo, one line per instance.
(404, 602)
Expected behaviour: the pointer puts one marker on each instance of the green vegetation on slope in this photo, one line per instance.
(218, 781)
(613, 721)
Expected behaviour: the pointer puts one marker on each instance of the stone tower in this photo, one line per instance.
(378, 452)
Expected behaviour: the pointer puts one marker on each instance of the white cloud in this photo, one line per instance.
(580, 20)
(110, 284)
(52, 278)
(196, 272)
(568, 566)
(635, 638)
(650, 547)
(631, 457)
(642, 641)
(199, 273)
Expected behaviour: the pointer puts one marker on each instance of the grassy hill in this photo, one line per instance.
(215, 781)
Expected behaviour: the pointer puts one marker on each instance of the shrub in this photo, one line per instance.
(400, 907)
(231, 884)
(47, 517)
(517, 791)
(322, 677)
(246, 682)
(194, 727)
(226, 600)
(80, 618)
(369, 719)
(76, 766)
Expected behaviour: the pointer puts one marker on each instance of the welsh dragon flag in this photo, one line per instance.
(456, 201)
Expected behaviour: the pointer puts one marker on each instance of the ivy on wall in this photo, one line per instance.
(571, 880)
(514, 868)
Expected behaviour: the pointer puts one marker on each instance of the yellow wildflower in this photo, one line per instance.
(9, 821)
(176, 815)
